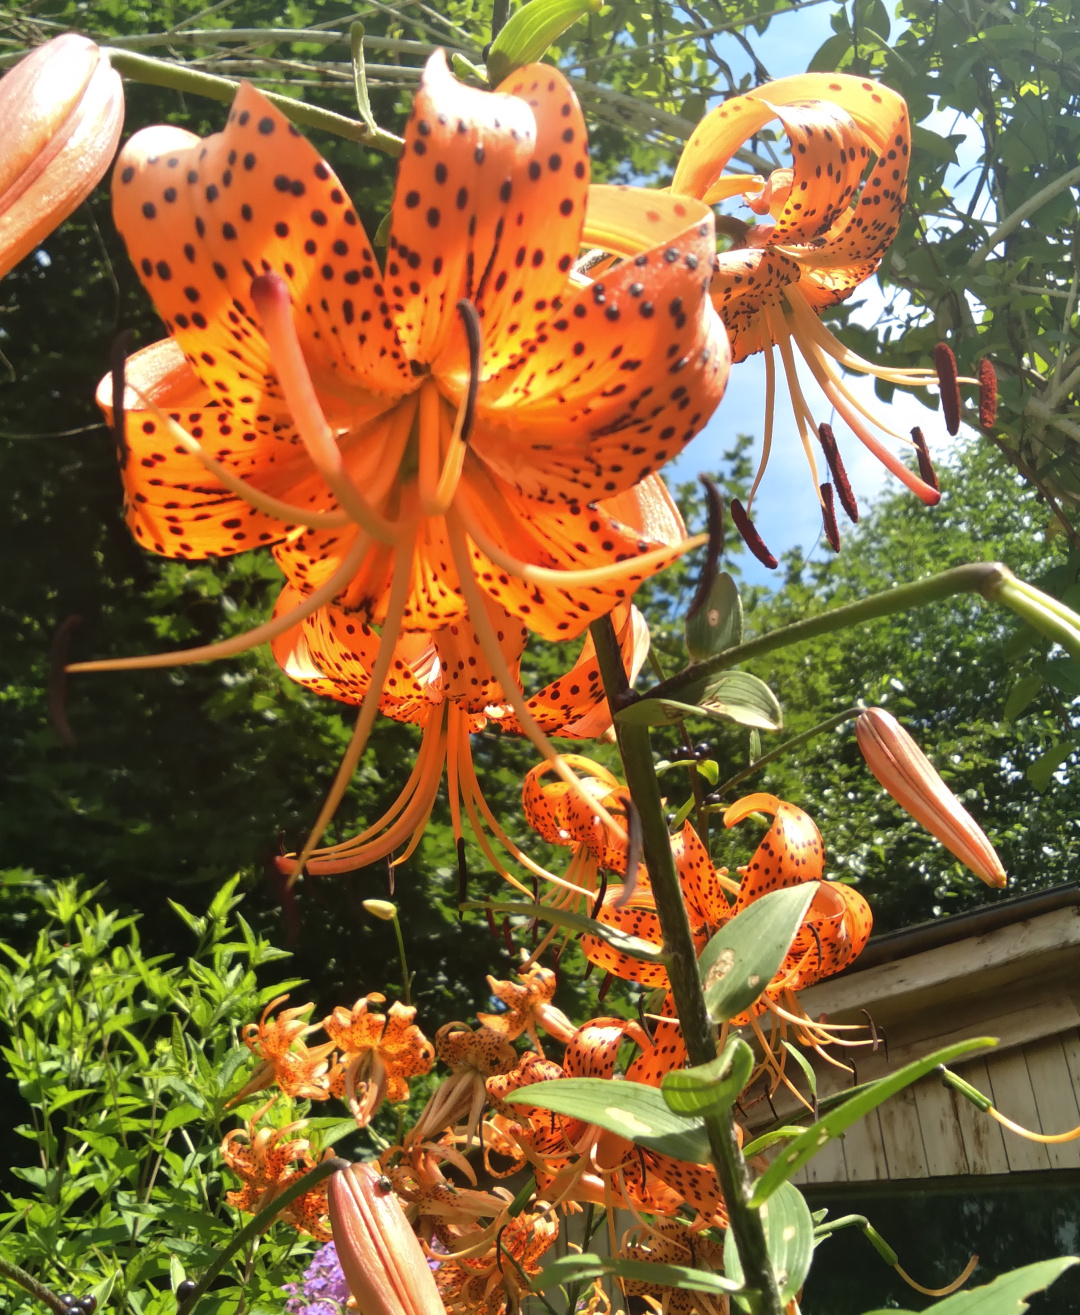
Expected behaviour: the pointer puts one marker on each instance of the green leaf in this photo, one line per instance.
(631, 1109)
(709, 1087)
(528, 34)
(589, 1265)
(819, 1134)
(718, 623)
(768, 1139)
(1041, 772)
(742, 698)
(1063, 674)
(744, 955)
(1021, 695)
(789, 1235)
(805, 1065)
(634, 946)
(1005, 1296)
(179, 1049)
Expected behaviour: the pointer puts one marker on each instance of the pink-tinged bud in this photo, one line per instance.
(383, 1262)
(909, 776)
(61, 110)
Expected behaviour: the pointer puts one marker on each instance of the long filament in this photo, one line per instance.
(770, 413)
(250, 638)
(399, 595)
(485, 632)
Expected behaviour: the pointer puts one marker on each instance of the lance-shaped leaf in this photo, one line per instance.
(634, 946)
(745, 954)
(731, 696)
(709, 1087)
(718, 623)
(630, 1109)
(1005, 1296)
(789, 1235)
(526, 36)
(589, 1266)
(793, 1157)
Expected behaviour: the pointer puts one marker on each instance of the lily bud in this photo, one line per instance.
(381, 1257)
(381, 908)
(909, 776)
(61, 110)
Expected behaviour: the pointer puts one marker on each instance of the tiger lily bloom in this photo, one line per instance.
(381, 1257)
(829, 232)
(379, 1053)
(267, 1162)
(62, 107)
(910, 777)
(418, 439)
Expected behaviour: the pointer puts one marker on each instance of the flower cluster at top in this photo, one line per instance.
(475, 1122)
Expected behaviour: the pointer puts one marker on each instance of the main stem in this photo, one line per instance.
(697, 1030)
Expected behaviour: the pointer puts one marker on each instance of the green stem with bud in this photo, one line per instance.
(698, 1032)
(993, 580)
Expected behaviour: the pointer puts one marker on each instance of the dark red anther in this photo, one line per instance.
(828, 515)
(840, 478)
(491, 923)
(605, 987)
(58, 650)
(945, 365)
(987, 394)
(926, 466)
(508, 939)
(751, 538)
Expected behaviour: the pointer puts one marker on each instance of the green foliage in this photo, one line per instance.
(123, 1063)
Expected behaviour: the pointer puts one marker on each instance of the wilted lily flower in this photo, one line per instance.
(909, 776)
(383, 1260)
(61, 108)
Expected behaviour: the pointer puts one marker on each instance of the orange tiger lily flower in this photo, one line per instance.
(829, 233)
(484, 1283)
(267, 1163)
(668, 1242)
(379, 1053)
(571, 1156)
(62, 108)
(415, 439)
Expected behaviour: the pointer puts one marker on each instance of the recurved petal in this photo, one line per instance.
(62, 108)
(201, 219)
(637, 917)
(174, 505)
(554, 810)
(791, 852)
(618, 378)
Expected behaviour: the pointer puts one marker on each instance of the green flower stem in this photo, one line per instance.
(796, 742)
(991, 579)
(257, 1224)
(31, 1285)
(698, 1032)
(405, 978)
(163, 73)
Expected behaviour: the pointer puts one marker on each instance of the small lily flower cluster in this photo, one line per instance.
(484, 1244)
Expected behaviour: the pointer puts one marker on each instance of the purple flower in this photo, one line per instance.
(323, 1290)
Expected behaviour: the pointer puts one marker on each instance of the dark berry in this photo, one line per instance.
(68, 1299)
(185, 1289)
(88, 1304)
(714, 798)
(703, 750)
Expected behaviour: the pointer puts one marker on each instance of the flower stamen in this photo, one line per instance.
(945, 365)
(751, 538)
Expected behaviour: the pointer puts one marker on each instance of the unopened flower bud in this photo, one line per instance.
(61, 108)
(381, 1257)
(381, 908)
(909, 776)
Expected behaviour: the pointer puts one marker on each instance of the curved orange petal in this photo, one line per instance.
(552, 809)
(202, 218)
(620, 376)
(637, 917)
(791, 853)
(705, 901)
(834, 932)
